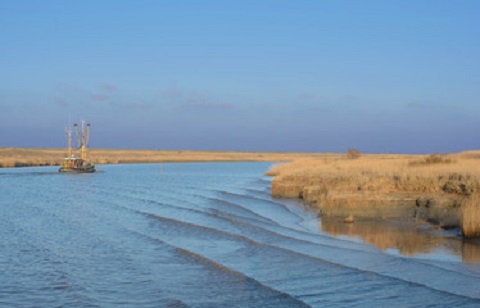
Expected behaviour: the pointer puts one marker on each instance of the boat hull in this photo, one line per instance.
(76, 170)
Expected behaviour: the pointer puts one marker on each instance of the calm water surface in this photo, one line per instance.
(207, 235)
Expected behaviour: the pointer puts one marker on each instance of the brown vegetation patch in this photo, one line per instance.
(433, 159)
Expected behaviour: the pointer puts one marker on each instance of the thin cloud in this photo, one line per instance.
(307, 96)
(421, 105)
(108, 88)
(139, 106)
(86, 105)
(71, 91)
(100, 97)
(202, 100)
(171, 94)
(194, 100)
(211, 106)
(349, 98)
(58, 101)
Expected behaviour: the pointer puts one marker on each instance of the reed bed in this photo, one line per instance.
(386, 173)
(375, 179)
(471, 216)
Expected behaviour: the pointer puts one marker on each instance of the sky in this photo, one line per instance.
(397, 76)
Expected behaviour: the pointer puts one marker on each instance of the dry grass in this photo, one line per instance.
(19, 157)
(471, 216)
(373, 183)
(386, 173)
(274, 170)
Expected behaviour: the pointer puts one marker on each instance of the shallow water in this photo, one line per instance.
(206, 235)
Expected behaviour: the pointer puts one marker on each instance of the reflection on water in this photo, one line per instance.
(471, 252)
(406, 237)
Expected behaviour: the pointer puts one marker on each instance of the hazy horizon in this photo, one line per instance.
(295, 76)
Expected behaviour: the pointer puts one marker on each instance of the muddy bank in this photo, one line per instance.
(442, 209)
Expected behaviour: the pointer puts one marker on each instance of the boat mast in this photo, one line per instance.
(83, 137)
(87, 139)
(75, 125)
(68, 132)
(84, 143)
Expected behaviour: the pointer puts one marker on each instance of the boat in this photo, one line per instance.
(72, 163)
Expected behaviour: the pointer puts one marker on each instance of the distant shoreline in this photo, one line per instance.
(32, 157)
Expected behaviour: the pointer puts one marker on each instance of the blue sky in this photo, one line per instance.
(380, 76)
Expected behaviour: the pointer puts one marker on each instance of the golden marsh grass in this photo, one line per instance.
(385, 173)
(375, 179)
(471, 216)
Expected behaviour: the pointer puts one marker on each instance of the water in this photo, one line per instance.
(207, 235)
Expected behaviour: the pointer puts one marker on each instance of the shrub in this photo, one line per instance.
(353, 153)
(437, 159)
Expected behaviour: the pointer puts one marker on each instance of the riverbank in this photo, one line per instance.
(27, 157)
(441, 189)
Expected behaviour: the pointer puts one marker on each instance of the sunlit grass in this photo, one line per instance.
(471, 216)
(383, 173)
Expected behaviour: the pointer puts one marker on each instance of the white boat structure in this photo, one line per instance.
(72, 162)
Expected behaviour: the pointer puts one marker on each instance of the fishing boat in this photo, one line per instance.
(72, 162)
